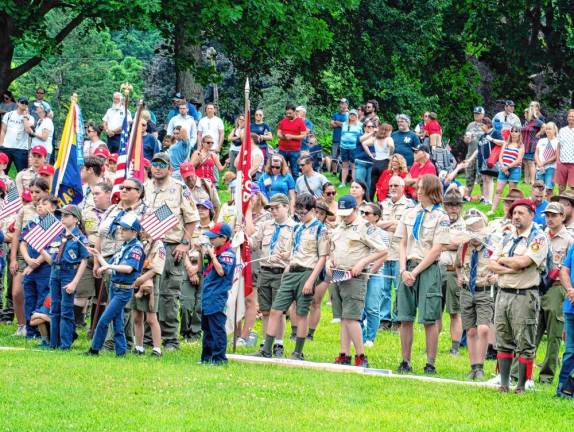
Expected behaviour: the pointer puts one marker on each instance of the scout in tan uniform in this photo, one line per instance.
(477, 293)
(353, 245)
(450, 286)
(423, 232)
(551, 317)
(518, 264)
(309, 249)
(91, 173)
(37, 159)
(393, 209)
(166, 190)
(567, 200)
(273, 239)
(201, 189)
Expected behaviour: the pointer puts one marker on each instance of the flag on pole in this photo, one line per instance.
(245, 189)
(159, 222)
(12, 203)
(67, 183)
(43, 233)
(340, 275)
(549, 151)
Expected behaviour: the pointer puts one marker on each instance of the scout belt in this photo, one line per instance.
(520, 291)
(299, 269)
(478, 288)
(274, 270)
(122, 285)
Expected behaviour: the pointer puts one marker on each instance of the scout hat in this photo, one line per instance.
(322, 206)
(475, 221)
(278, 198)
(130, 221)
(554, 207)
(567, 195)
(219, 230)
(71, 209)
(346, 205)
(513, 195)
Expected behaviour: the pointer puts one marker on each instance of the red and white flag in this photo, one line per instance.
(44, 232)
(159, 222)
(12, 203)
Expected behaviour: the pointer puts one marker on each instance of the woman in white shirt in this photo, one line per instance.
(384, 147)
(44, 130)
(545, 156)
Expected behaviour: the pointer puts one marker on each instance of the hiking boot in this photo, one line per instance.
(361, 361)
(404, 368)
(261, 353)
(429, 369)
(471, 375)
(278, 351)
(297, 356)
(343, 359)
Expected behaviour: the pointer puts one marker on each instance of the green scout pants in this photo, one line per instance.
(169, 291)
(425, 295)
(551, 321)
(515, 318)
(190, 309)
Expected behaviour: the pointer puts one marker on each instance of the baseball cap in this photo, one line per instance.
(23, 99)
(255, 189)
(278, 198)
(102, 152)
(71, 209)
(130, 221)
(4, 159)
(521, 202)
(344, 100)
(509, 102)
(38, 149)
(186, 169)
(219, 230)
(205, 203)
(478, 110)
(46, 169)
(554, 207)
(178, 95)
(421, 147)
(354, 111)
(114, 157)
(346, 205)
(162, 156)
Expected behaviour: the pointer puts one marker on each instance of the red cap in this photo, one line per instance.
(147, 163)
(41, 150)
(114, 157)
(102, 151)
(26, 195)
(47, 169)
(4, 159)
(186, 169)
(2, 185)
(524, 202)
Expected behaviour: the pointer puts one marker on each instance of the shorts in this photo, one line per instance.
(348, 298)
(514, 175)
(87, 285)
(547, 177)
(42, 310)
(477, 310)
(529, 156)
(348, 155)
(267, 288)
(291, 291)
(564, 174)
(450, 292)
(142, 304)
(425, 295)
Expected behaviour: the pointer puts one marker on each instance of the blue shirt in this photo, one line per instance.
(309, 126)
(361, 154)
(279, 184)
(539, 217)
(215, 287)
(131, 254)
(342, 117)
(260, 129)
(350, 134)
(150, 146)
(569, 262)
(179, 153)
(73, 252)
(404, 144)
(190, 110)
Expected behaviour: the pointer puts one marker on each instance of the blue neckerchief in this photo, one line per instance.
(115, 223)
(299, 232)
(419, 220)
(473, 271)
(514, 244)
(275, 237)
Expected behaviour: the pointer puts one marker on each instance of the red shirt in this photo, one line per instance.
(433, 127)
(383, 185)
(291, 127)
(418, 170)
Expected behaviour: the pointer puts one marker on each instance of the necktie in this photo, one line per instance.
(419, 220)
(513, 247)
(274, 238)
(473, 271)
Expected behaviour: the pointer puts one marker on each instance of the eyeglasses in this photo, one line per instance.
(275, 167)
(207, 142)
(128, 188)
(302, 165)
(369, 126)
(161, 165)
(331, 193)
(366, 213)
(394, 185)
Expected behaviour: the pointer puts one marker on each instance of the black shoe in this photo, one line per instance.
(309, 337)
(278, 351)
(261, 353)
(138, 352)
(429, 369)
(404, 368)
(91, 352)
(491, 353)
(155, 353)
(297, 356)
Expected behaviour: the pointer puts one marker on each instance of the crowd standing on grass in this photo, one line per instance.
(398, 248)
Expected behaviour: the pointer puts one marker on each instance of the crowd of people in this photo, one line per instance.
(398, 248)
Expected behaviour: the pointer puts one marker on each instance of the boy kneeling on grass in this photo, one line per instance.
(216, 285)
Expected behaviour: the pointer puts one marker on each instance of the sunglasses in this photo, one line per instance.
(302, 165)
(161, 165)
(366, 213)
(128, 188)
(331, 193)
(275, 167)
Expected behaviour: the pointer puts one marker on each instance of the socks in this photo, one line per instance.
(299, 343)
(268, 344)
(311, 332)
(504, 364)
(293, 331)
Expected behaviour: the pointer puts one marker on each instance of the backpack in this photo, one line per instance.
(443, 159)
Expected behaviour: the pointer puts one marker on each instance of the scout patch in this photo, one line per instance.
(136, 254)
(226, 259)
(186, 192)
(536, 243)
(444, 223)
(371, 230)
(72, 254)
(161, 252)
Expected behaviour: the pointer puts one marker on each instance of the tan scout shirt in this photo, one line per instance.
(311, 246)
(434, 229)
(448, 258)
(110, 244)
(24, 178)
(394, 212)
(177, 197)
(536, 249)
(570, 226)
(204, 190)
(500, 229)
(88, 200)
(351, 243)
(25, 215)
(92, 217)
(154, 256)
(261, 241)
(560, 244)
(463, 262)
(197, 239)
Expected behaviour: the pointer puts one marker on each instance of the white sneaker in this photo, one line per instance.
(490, 213)
(369, 344)
(495, 380)
(335, 320)
(529, 385)
(240, 342)
(21, 332)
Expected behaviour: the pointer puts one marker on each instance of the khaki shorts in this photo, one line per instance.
(142, 304)
(291, 291)
(477, 310)
(425, 295)
(87, 285)
(450, 292)
(348, 298)
(268, 284)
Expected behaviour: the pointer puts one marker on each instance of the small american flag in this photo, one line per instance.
(122, 166)
(159, 222)
(549, 151)
(47, 229)
(340, 275)
(12, 203)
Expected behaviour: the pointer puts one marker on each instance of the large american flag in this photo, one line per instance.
(122, 165)
(340, 275)
(47, 229)
(159, 222)
(12, 203)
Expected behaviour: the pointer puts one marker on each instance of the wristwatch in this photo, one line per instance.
(184, 242)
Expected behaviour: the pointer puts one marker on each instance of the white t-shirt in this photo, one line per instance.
(188, 123)
(16, 136)
(115, 118)
(382, 150)
(541, 147)
(211, 126)
(508, 120)
(566, 139)
(43, 124)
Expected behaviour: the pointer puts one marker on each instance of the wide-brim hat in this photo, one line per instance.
(566, 195)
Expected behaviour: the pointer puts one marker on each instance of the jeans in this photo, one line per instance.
(292, 158)
(568, 359)
(114, 312)
(363, 171)
(371, 313)
(17, 157)
(62, 320)
(387, 312)
(36, 288)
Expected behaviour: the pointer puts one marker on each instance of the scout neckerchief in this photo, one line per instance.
(419, 220)
(218, 251)
(275, 237)
(118, 257)
(115, 223)
(299, 232)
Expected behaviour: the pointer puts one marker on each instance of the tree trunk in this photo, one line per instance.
(187, 54)
(6, 52)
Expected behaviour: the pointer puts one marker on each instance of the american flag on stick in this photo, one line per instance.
(47, 229)
(12, 203)
(159, 222)
(340, 275)
(549, 151)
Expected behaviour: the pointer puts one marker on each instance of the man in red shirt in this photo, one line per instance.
(421, 166)
(291, 131)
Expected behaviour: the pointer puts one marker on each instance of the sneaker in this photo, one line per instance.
(91, 352)
(139, 352)
(453, 352)
(240, 342)
(171, 347)
(472, 375)
(278, 351)
(495, 380)
(479, 374)
(519, 390)
(293, 337)
(369, 344)
(43, 345)
(529, 385)
(361, 361)
(404, 368)
(343, 359)
(429, 369)
(261, 353)
(156, 353)
(342, 185)
(20, 332)
(335, 320)
(297, 356)
(252, 339)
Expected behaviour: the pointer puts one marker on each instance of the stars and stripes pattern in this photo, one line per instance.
(44, 233)
(549, 151)
(122, 166)
(12, 203)
(340, 275)
(159, 222)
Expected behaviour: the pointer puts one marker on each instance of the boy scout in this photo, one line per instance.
(551, 318)
(353, 246)
(476, 295)
(164, 189)
(518, 263)
(273, 239)
(309, 250)
(423, 231)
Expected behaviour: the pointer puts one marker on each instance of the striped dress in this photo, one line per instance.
(509, 155)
